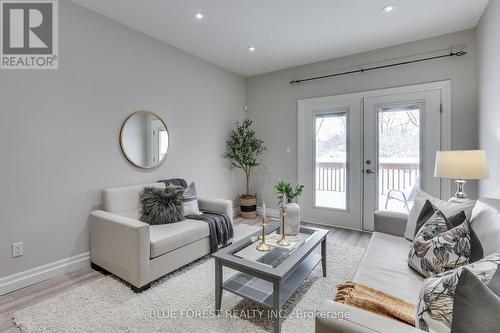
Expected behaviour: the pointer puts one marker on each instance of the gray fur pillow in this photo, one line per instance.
(162, 206)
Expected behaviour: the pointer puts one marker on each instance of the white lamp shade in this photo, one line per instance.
(461, 164)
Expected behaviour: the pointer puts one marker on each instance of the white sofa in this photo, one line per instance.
(140, 253)
(385, 267)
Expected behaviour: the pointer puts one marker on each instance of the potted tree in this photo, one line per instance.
(286, 192)
(243, 151)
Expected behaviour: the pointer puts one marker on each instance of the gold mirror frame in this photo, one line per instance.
(127, 157)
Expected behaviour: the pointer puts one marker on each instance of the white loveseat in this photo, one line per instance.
(137, 252)
(385, 267)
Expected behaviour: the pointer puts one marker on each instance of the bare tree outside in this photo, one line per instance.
(331, 160)
(399, 137)
(331, 138)
(398, 156)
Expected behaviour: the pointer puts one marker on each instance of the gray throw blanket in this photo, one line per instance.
(221, 228)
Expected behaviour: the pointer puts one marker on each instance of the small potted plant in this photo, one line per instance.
(285, 190)
(243, 151)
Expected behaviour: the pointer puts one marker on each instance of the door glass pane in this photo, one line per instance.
(398, 156)
(331, 160)
(162, 144)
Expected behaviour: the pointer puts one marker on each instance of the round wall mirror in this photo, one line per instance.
(144, 139)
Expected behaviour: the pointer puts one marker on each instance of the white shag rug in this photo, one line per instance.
(108, 305)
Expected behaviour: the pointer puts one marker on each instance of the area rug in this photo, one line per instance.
(184, 302)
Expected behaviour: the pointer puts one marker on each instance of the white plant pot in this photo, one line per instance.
(292, 219)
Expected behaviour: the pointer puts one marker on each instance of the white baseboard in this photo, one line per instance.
(42, 273)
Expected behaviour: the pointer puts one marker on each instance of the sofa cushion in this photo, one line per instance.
(385, 267)
(168, 237)
(449, 208)
(485, 222)
(429, 210)
(124, 200)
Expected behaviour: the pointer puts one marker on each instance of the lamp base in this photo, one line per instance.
(460, 194)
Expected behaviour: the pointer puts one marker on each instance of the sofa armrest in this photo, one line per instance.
(333, 317)
(392, 223)
(121, 246)
(217, 205)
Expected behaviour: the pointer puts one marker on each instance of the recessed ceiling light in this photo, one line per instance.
(388, 8)
(198, 15)
(251, 49)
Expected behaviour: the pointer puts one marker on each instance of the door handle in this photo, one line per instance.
(368, 171)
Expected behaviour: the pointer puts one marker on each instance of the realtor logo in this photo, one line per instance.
(29, 36)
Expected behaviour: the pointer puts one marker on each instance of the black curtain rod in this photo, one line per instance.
(362, 70)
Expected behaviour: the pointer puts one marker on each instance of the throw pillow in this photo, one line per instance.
(476, 305)
(485, 222)
(190, 201)
(435, 302)
(427, 211)
(449, 208)
(436, 248)
(174, 181)
(162, 206)
(453, 221)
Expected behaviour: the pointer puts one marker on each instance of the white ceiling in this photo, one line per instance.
(287, 33)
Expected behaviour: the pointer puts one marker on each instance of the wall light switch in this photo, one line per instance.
(288, 150)
(17, 249)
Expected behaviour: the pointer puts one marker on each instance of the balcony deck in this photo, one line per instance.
(393, 174)
(337, 199)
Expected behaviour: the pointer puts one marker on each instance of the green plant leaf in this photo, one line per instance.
(244, 149)
(285, 189)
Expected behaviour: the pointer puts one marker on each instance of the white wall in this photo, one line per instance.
(59, 131)
(272, 101)
(488, 33)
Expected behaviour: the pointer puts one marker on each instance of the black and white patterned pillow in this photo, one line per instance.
(435, 303)
(436, 248)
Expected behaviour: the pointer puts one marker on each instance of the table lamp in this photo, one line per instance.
(461, 165)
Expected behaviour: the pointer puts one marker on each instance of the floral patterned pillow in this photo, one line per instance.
(435, 303)
(436, 249)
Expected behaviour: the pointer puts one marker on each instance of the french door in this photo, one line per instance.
(369, 151)
(330, 154)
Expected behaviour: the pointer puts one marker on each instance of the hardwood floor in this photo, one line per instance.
(22, 298)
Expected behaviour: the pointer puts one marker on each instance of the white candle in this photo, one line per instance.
(263, 208)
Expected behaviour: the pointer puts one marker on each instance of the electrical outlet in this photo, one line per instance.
(17, 249)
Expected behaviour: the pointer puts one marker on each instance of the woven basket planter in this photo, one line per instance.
(248, 207)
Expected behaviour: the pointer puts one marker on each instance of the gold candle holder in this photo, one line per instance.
(283, 241)
(262, 246)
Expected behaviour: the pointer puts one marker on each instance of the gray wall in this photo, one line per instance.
(273, 102)
(488, 32)
(59, 131)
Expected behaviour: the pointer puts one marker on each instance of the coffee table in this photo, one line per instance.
(269, 278)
